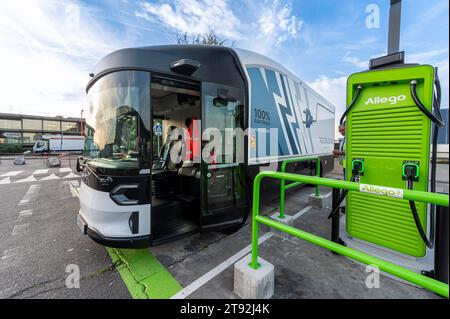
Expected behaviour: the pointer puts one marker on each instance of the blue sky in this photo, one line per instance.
(48, 47)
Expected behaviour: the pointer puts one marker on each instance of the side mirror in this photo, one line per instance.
(79, 166)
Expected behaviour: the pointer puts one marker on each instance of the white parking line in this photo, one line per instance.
(49, 177)
(189, 289)
(12, 173)
(71, 175)
(40, 171)
(19, 229)
(29, 194)
(25, 213)
(6, 180)
(26, 180)
(300, 213)
(8, 253)
(32, 189)
(73, 190)
(65, 169)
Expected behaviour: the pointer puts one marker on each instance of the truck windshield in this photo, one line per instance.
(118, 120)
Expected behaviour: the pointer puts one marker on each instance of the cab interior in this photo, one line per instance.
(176, 177)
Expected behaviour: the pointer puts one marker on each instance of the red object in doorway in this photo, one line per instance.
(193, 140)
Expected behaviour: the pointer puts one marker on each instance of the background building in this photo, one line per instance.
(26, 129)
(443, 132)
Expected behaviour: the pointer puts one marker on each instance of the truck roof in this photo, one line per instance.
(158, 59)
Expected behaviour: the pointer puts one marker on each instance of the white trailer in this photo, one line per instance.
(59, 143)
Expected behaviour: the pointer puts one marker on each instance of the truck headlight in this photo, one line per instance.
(127, 194)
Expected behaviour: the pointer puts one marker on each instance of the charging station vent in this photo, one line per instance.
(391, 133)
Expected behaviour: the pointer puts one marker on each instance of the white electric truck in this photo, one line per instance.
(59, 143)
(256, 112)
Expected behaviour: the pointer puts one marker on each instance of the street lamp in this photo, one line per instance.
(81, 123)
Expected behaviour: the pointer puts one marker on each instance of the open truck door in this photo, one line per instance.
(222, 165)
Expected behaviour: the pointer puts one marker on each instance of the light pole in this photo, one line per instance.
(81, 123)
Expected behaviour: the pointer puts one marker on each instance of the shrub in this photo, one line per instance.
(11, 148)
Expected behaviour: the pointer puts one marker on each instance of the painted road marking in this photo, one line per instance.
(33, 189)
(75, 184)
(74, 187)
(8, 253)
(143, 274)
(26, 179)
(49, 177)
(6, 180)
(12, 173)
(74, 190)
(40, 171)
(72, 175)
(65, 169)
(5, 290)
(189, 289)
(300, 213)
(19, 229)
(25, 213)
(23, 201)
(29, 194)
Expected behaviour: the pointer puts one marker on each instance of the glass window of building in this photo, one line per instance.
(30, 124)
(69, 127)
(10, 124)
(52, 126)
(10, 137)
(30, 138)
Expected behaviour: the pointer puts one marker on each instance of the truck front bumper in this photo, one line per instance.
(114, 242)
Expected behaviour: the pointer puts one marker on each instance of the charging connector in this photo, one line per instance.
(358, 167)
(357, 170)
(410, 171)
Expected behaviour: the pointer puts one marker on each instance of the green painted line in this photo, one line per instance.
(143, 274)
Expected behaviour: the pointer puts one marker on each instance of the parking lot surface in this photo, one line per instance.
(40, 244)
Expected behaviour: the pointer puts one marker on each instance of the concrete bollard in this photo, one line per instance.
(252, 283)
(287, 220)
(321, 201)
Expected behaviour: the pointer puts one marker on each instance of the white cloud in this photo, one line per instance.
(333, 89)
(47, 52)
(276, 22)
(425, 18)
(425, 57)
(438, 58)
(265, 26)
(194, 17)
(360, 64)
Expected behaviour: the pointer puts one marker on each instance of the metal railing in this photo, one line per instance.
(284, 187)
(398, 271)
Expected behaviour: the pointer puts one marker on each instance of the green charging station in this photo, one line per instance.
(392, 122)
(388, 134)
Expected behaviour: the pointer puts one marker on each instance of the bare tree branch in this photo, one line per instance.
(209, 38)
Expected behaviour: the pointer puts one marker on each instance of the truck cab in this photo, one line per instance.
(40, 146)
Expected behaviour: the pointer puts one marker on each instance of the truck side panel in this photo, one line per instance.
(66, 143)
(304, 121)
